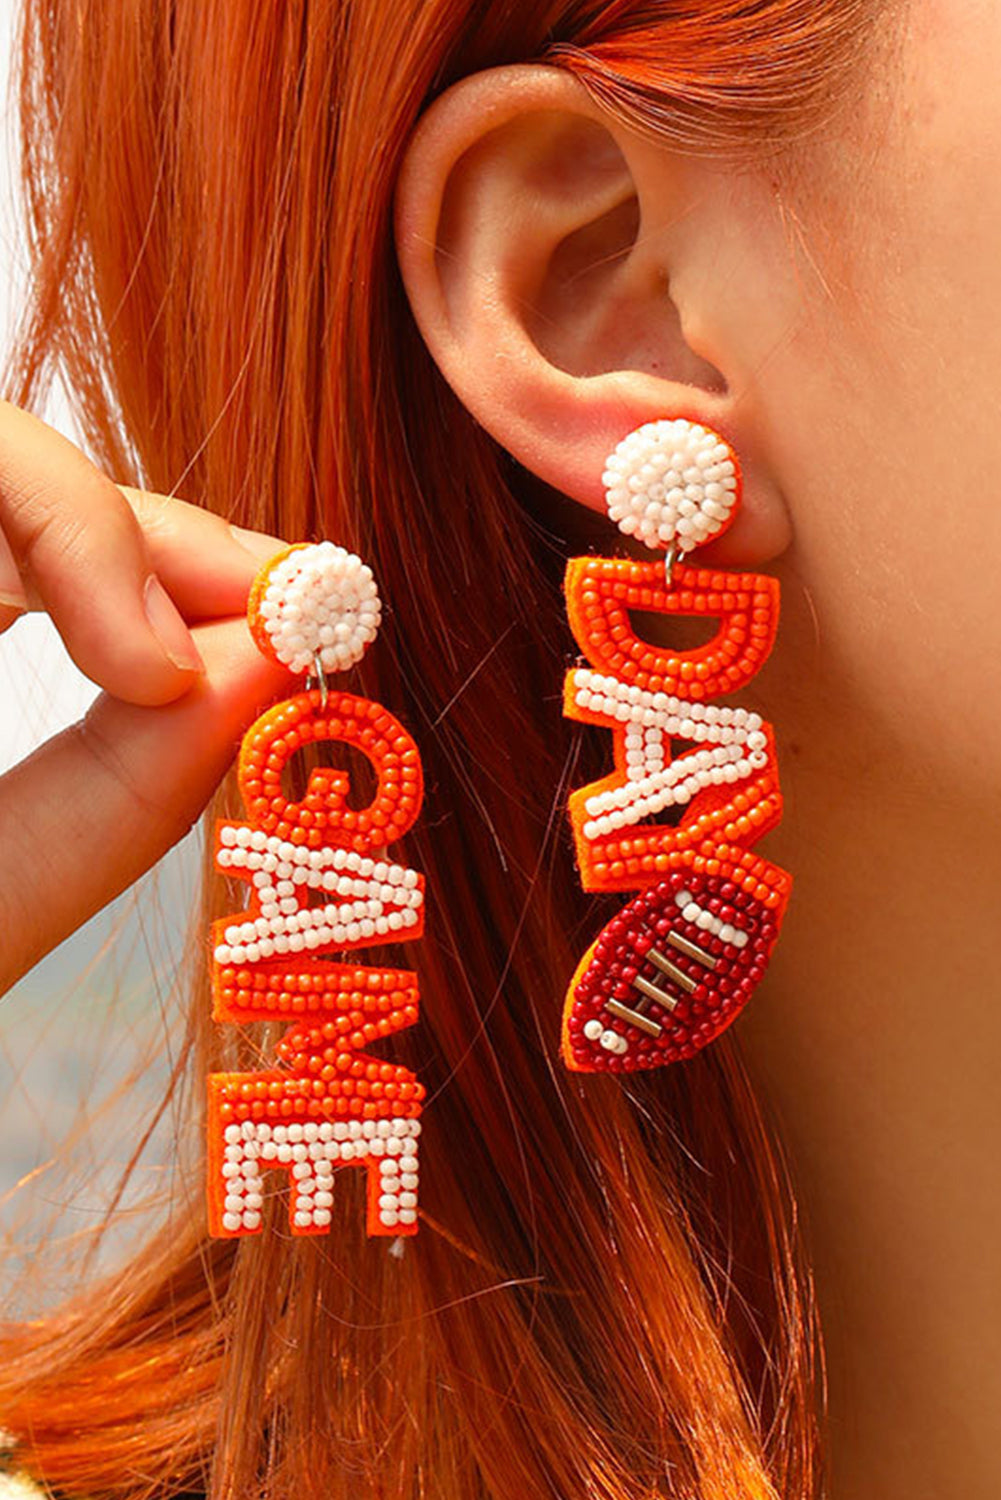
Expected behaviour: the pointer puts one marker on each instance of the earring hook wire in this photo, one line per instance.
(318, 678)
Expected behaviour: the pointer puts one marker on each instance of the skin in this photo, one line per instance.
(90, 554)
(841, 325)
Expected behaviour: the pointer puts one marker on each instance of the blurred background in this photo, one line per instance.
(86, 1037)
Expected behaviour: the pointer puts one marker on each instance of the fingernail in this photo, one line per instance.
(257, 543)
(175, 638)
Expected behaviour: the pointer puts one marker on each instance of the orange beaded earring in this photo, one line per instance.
(320, 883)
(677, 964)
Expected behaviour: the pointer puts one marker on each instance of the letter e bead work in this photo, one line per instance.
(319, 883)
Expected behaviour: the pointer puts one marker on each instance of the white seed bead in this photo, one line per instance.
(651, 784)
(671, 481)
(701, 917)
(320, 601)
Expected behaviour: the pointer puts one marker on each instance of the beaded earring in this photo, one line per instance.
(320, 883)
(677, 964)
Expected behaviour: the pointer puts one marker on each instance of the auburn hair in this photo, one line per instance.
(608, 1297)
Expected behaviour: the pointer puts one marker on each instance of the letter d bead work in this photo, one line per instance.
(695, 783)
(319, 884)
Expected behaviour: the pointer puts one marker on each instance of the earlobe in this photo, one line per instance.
(539, 242)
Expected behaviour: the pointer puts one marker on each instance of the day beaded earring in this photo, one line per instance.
(319, 884)
(677, 964)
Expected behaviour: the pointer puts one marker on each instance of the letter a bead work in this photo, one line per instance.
(695, 783)
(320, 883)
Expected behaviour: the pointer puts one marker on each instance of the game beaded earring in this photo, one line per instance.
(676, 965)
(319, 883)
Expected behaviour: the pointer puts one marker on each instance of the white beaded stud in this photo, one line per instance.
(316, 603)
(671, 483)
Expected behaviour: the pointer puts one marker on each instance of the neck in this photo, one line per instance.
(877, 1038)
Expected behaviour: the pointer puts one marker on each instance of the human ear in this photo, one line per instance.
(574, 279)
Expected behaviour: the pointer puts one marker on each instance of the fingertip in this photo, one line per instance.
(259, 545)
(172, 635)
(153, 690)
(149, 667)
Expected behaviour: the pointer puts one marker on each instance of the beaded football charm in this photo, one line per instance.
(319, 884)
(679, 962)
